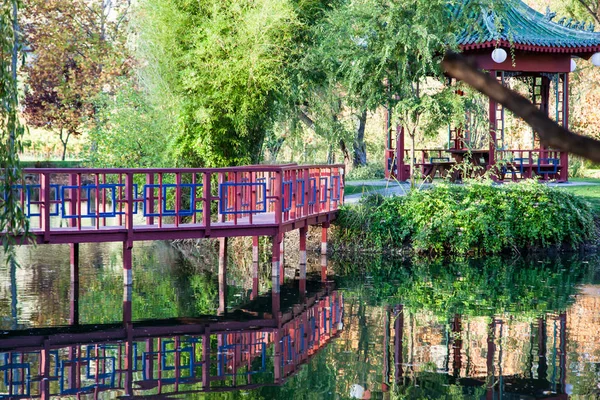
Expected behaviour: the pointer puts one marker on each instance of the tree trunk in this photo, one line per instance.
(412, 160)
(344, 149)
(359, 147)
(65, 142)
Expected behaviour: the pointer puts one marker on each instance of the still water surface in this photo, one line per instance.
(383, 329)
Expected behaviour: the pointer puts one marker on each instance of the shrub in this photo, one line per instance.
(476, 217)
(369, 171)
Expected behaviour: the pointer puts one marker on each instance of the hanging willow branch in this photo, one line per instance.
(13, 221)
(551, 134)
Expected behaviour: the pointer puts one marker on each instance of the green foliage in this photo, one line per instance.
(12, 219)
(477, 217)
(524, 288)
(130, 132)
(369, 171)
(225, 63)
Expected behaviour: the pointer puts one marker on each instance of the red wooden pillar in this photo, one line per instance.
(544, 107)
(222, 275)
(302, 266)
(456, 345)
(564, 156)
(402, 172)
(74, 298)
(127, 321)
(542, 349)
(492, 117)
(324, 252)
(255, 257)
(275, 266)
(562, 357)
(398, 335)
(127, 264)
(491, 350)
(45, 372)
(206, 359)
(282, 258)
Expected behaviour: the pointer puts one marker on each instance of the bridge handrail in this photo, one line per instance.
(178, 196)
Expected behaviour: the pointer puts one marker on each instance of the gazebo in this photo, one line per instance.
(526, 45)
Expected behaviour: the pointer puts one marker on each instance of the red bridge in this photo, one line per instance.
(126, 205)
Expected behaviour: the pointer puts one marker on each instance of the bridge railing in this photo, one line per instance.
(104, 199)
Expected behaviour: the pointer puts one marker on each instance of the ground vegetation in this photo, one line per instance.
(477, 217)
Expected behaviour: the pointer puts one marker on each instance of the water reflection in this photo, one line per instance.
(475, 329)
(247, 349)
(468, 329)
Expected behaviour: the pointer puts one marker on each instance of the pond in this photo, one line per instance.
(496, 328)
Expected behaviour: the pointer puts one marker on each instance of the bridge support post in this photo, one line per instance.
(275, 264)
(282, 258)
(127, 263)
(222, 275)
(74, 298)
(302, 265)
(324, 252)
(255, 254)
(127, 323)
(45, 372)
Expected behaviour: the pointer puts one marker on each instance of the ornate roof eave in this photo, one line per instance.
(528, 47)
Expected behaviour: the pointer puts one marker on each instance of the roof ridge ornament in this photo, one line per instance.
(549, 14)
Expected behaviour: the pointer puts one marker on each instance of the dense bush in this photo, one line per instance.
(369, 171)
(476, 217)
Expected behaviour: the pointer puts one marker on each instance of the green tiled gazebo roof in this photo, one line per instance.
(527, 29)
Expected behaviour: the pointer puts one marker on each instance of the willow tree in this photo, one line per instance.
(12, 218)
(376, 53)
(222, 64)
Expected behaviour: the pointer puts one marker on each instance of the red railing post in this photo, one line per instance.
(206, 202)
(149, 197)
(129, 212)
(45, 205)
(306, 177)
(177, 197)
(277, 196)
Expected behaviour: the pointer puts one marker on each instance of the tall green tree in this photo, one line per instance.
(225, 65)
(375, 53)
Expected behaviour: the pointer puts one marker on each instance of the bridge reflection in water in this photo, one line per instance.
(245, 349)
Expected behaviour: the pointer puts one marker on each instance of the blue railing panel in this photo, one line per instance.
(148, 192)
(224, 198)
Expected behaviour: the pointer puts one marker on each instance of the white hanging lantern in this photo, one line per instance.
(573, 65)
(499, 55)
(596, 59)
(357, 391)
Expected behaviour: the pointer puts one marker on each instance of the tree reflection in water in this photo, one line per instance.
(478, 329)
(470, 329)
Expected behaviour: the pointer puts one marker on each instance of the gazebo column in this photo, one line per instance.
(492, 117)
(401, 172)
(545, 107)
(564, 156)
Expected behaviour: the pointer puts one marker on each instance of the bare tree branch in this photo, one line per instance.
(551, 134)
(306, 120)
(589, 9)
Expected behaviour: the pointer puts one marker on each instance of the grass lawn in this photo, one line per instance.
(355, 189)
(590, 192)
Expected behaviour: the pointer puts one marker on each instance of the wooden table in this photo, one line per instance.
(443, 167)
